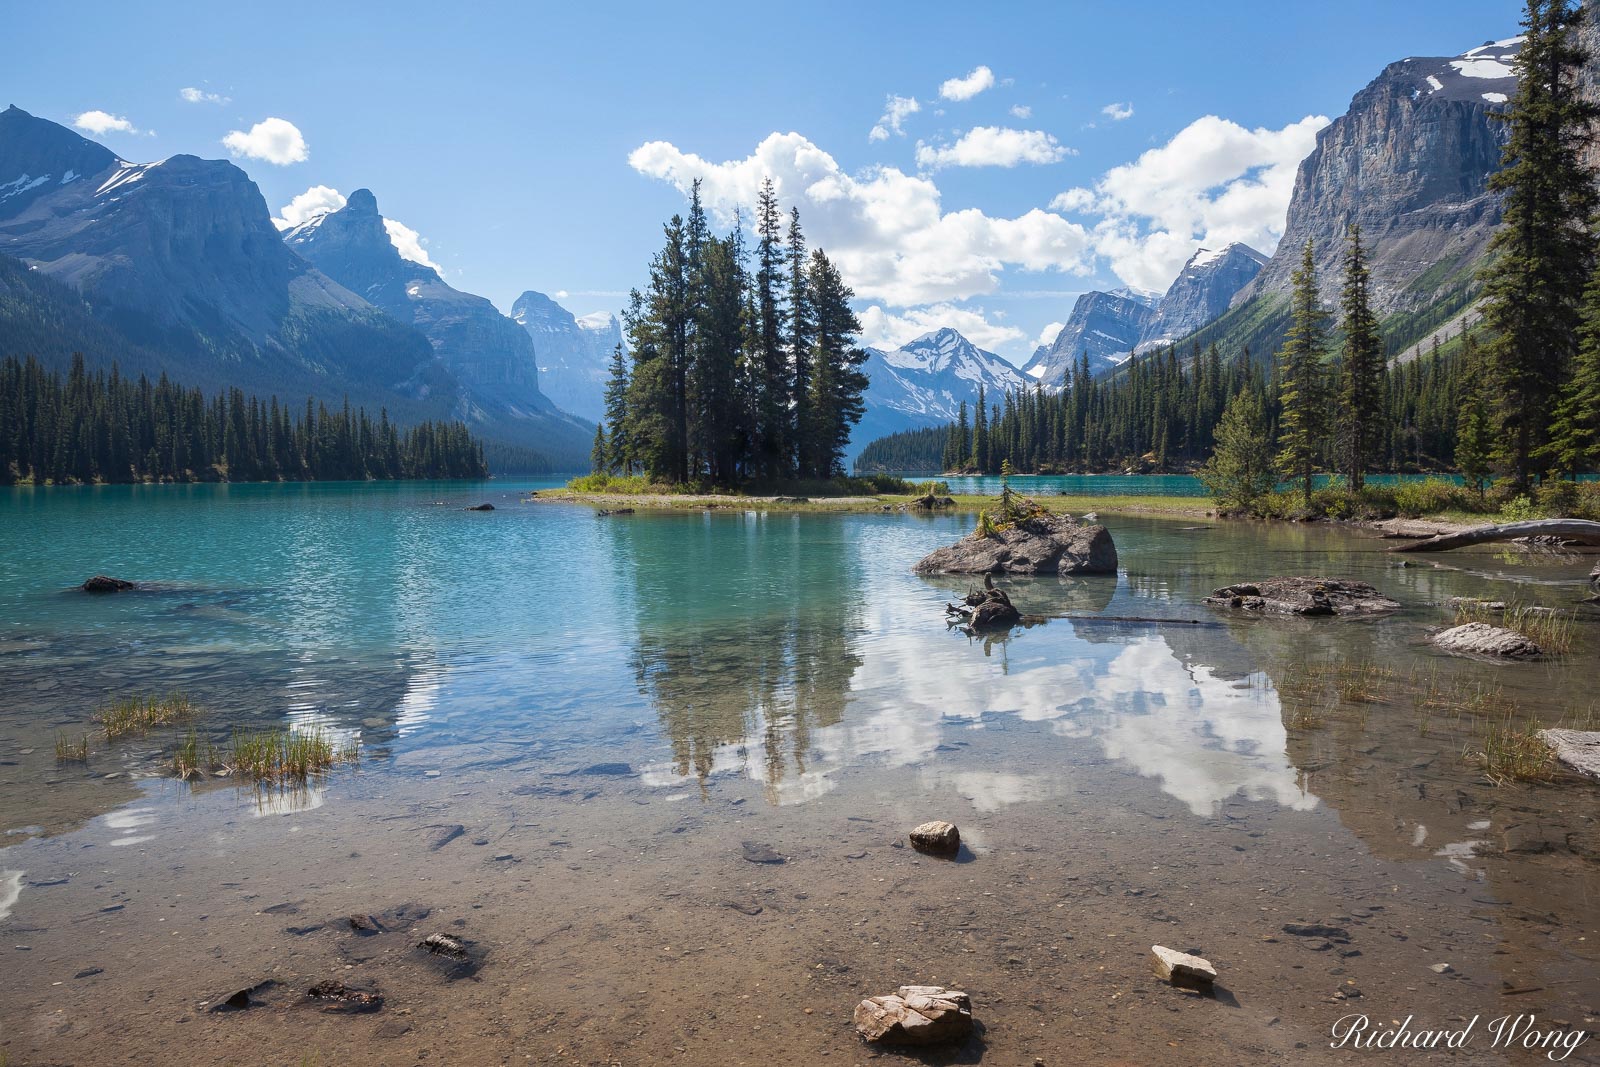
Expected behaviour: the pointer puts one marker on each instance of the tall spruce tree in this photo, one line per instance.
(619, 457)
(1302, 388)
(771, 356)
(1240, 470)
(1362, 368)
(1574, 445)
(807, 449)
(837, 382)
(1475, 435)
(1540, 257)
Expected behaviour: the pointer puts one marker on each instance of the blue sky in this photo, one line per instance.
(1075, 146)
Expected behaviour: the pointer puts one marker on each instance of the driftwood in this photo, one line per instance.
(1580, 529)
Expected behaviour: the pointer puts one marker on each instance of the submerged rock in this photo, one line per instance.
(481, 507)
(756, 852)
(938, 837)
(444, 945)
(1578, 749)
(1181, 969)
(253, 996)
(1039, 544)
(104, 583)
(915, 1015)
(1304, 596)
(985, 609)
(1481, 639)
(614, 511)
(335, 996)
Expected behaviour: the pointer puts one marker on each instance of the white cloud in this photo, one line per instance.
(322, 199)
(894, 113)
(191, 95)
(885, 229)
(317, 200)
(272, 140)
(887, 330)
(994, 146)
(1021, 111)
(1117, 112)
(99, 122)
(966, 88)
(1048, 335)
(1213, 183)
(410, 244)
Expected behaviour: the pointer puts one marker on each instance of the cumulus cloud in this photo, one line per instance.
(322, 199)
(895, 112)
(1048, 335)
(968, 87)
(993, 146)
(1117, 112)
(888, 330)
(191, 95)
(317, 200)
(99, 122)
(1021, 111)
(410, 244)
(886, 230)
(272, 140)
(1213, 183)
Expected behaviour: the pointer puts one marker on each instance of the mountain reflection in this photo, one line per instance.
(786, 657)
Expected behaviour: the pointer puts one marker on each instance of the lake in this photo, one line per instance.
(578, 736)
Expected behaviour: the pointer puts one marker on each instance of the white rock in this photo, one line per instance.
(915, 1015)
(1181, 969)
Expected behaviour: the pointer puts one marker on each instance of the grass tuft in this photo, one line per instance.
(277, 755)
(1550, 630)
(72, 751)
(1512, 751)
(135, 715)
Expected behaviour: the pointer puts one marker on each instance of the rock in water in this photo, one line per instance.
(985, 609)
(102, 583)
(481, 507)
(1303, 596)
(938, 836)
(1039, 544)
(1578, 749)
(1481, 639)
(1182, 969)
(916, 1015)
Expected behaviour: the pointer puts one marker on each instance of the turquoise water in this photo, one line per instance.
(570, 727)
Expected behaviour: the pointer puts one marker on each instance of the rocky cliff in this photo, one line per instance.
(1202, 292)
(574, 355)
(1105, 325)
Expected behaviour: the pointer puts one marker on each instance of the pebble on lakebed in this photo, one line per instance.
(1182, 969)
(915, 1015)
(938, 836)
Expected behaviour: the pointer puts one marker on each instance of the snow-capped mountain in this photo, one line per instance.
(1202, 291)
(1106, 325)
(574, 354)
(924, 382)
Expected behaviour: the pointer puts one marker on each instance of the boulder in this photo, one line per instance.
(916, 1015)
(614, 511)
(1481, 639)
(938, 837)
(1039, 544)
(929, 503)
(102, 583)
(1181, 969)
(1578, 749)
(1303, 596)
(988, 608)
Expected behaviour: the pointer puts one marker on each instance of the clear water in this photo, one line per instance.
(621, 701)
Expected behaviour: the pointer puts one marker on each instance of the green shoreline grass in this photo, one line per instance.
(1179, 506)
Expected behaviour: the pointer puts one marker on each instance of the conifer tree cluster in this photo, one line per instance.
(744, 365)
(106, 428)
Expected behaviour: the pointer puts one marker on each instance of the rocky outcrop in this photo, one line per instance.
(916, 1015)
(1481, 639)
(1041, 544)
(1303, 596)
(939, 837)
(1107, 326)
(1202, 291)
(1578, 749)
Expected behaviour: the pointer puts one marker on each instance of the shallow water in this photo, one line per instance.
(609, 708)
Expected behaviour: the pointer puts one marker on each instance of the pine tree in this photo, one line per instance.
(1574, 444)
(618, 456)
(1362, 368)
(1240, 470)
(771, 362)
(837, 382)
(1475, 436)
(599, 455)
(1302, 396)
(808, 450)
(1540, 257)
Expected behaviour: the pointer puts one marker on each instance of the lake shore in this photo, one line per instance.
(1123, 504)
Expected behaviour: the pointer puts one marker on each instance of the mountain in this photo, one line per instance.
(180, 260)
(1410, 162)
(923, 383)
(1204, 290)
(1105, 325)
(574, 355)
(487, 353)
